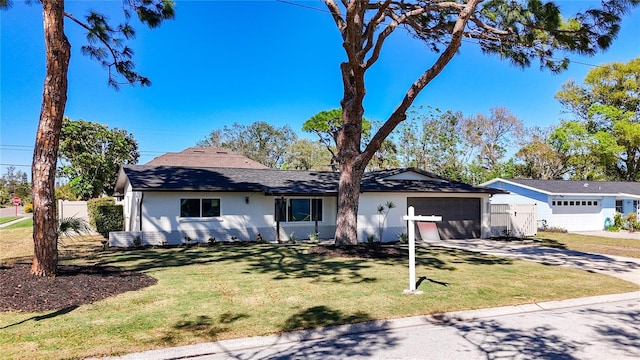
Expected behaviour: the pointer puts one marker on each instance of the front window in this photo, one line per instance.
(210, 207)
(199, 207)
(619, 206)
(296, 210)
(299, 210)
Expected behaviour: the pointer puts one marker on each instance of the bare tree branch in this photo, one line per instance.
(399, 113)
(336, 14)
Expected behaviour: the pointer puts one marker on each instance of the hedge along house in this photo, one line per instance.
(571, 205)
(170, 204)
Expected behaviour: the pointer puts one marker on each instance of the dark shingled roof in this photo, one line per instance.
(276, 182)
(581, 187)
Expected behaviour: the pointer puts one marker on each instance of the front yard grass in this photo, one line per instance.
(591, 244)
(230, 291)
(8, 219)
(24, 224)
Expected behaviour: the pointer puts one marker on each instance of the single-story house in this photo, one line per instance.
(571, 205)
(168, 204)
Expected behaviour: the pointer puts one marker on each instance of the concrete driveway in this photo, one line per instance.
(617, 266)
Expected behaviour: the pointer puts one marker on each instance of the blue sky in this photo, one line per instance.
(221, 62)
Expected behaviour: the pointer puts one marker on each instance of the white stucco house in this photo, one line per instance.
(163, 204)
(572, 205)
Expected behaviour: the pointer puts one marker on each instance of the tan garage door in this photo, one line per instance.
(460, 216)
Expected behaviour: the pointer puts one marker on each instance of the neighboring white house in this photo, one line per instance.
(166, 204)
(572, 205)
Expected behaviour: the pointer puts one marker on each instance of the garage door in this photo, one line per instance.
(460, 216)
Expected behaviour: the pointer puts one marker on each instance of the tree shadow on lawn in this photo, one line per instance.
(290, 261)
(442, 258)
(50, 315)
(201, 326)
(284, 262)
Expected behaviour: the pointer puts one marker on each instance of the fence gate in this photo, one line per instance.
(517, 220)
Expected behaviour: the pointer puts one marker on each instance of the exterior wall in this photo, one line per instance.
(608, 210)
(131, 208)
(571, 218)
(369, 221)
(242, 217)
(629, 207)
(162, 225)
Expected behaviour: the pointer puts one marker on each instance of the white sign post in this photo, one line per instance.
(412, 218)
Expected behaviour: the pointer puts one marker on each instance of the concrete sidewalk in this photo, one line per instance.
(622, 234)
(599, 327)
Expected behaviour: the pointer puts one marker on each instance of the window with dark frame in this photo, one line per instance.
(206, 207)
(298, 210)
(619, 206)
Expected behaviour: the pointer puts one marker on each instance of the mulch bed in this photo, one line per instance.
(366, 251)
(72, 287)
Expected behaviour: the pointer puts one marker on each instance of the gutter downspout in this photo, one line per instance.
(140, 211)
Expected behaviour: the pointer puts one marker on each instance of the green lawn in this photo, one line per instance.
(8, 219)
(591, 244)
(21, 224)
(227, 291)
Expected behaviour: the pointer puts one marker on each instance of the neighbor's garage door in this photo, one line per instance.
(460, 216)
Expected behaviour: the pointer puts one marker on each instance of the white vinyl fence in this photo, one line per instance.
(517, 220)
(76, 209)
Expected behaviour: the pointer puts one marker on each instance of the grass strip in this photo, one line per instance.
(7, 219)
(591, 244)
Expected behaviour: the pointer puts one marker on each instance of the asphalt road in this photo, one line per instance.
(10, 211)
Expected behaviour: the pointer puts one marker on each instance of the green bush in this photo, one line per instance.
(617, 220)
(631, 222)
(105, 216)
(94, 204)
(110, 218)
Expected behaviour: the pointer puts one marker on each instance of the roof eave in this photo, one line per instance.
(518, 185)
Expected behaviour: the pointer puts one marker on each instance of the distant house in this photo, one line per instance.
(206, 157)
(165, 204)
(572, 205)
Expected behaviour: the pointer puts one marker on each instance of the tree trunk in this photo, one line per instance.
(45, 154)
(348, 141)
(348, 198)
